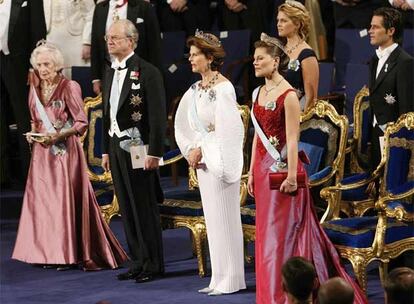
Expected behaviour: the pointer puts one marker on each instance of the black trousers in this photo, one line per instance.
(138, 195)
(13, 70)
(375, 147)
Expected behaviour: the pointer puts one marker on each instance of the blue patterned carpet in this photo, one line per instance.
(23, 283)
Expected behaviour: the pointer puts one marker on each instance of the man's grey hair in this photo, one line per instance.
(130, 30)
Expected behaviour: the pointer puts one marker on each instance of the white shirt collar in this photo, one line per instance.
(121, 65)
(386, 51)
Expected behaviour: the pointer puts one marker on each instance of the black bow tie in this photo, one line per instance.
(120, 69)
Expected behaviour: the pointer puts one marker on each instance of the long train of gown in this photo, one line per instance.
(287, 225)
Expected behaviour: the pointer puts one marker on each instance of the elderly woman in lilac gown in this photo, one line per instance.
(60, 223)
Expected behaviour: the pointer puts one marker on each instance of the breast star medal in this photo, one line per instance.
(135, 100)
(390, 99)
(274, 141)
(210, 127)
(136, 116)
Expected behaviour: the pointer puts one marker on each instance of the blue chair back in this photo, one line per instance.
(400, 161)
(82, 75)
(408, 41)
(350, 47)
(237, 47)
(326, 74)
(357, 76)
(173, 45)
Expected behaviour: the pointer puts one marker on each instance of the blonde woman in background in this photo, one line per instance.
(293, 23)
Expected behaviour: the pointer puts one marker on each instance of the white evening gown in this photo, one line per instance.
(69, 25)
(221, 143)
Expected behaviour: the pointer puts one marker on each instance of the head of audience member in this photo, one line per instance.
(299, 280)
(293, 19)
(386, 27)
(47, 60)
(399, 287)
(269, 57)
(121, 38)
(206, 52)
(336, 291)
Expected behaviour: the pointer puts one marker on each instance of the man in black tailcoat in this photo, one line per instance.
(391, 76)
(134, 116)
(23, 25)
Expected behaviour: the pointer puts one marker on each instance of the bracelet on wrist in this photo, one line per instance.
(249, 173)
(291, 184)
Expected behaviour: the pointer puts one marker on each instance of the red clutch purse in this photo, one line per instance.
(276, 179)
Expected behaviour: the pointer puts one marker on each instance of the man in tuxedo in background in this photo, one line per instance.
(391, 73)
(22, 26)
(134, 115)
(142, 15)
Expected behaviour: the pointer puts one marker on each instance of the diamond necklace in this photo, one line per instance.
(267, 91)
(289, 51)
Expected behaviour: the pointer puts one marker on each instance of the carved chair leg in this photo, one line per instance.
(383, 271)
(359, 265)
(200, 238)
(193, 244)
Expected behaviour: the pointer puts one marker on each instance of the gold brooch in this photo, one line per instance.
(210, 127)
(136, 116)
(136, 100)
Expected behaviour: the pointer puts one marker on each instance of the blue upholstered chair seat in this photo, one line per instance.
(359, 232)
(248, 214)
(409, 207)
(321, 174)
(358, 194)
(98, 170)
(105, 198)
(171, 155)
(181, 208)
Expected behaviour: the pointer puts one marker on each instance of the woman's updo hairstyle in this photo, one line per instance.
(210, 46)
(274, 48)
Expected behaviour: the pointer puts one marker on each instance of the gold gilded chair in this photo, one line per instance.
(356, 192)
(323, 136)
(362, 240)
(92, 143)
(361, 132)
(184, 209)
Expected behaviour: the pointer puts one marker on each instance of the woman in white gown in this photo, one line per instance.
(69, 26)
(209, 133)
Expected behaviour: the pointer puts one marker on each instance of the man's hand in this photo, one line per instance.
(105, 162)
(86, 52)
(194, 157)
(151, 163)
(235, 6)
(178, 6)
(97, 87)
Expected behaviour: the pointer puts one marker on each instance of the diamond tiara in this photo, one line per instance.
(272, 40)
(208, 38)
(296, 4)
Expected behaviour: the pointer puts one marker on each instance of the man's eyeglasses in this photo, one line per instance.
(114, 38)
